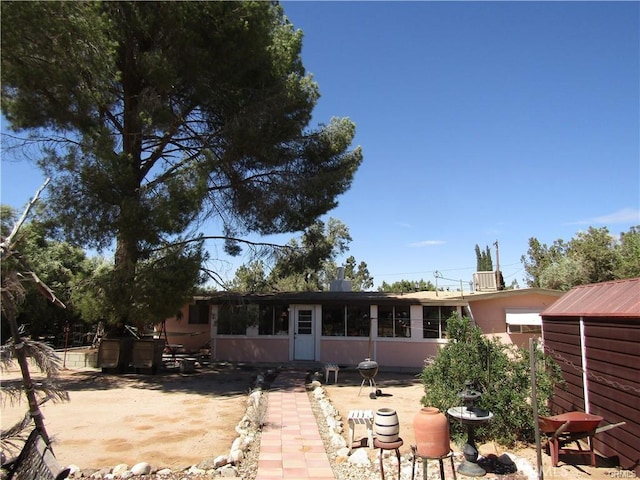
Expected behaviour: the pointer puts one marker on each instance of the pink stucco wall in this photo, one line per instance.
(251, 349)
(405, 354)
(190, 337)
(343, 351)
(490, 315)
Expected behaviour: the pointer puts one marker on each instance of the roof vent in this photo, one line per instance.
(340, 284)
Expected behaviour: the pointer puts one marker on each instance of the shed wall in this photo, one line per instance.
(613, 378)
(614, 385)
(562, 342)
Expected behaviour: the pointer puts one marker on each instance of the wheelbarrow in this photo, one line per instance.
(565, 428)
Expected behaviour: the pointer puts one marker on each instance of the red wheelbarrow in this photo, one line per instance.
(570, 427)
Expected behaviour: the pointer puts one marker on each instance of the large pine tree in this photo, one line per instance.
(157, 116)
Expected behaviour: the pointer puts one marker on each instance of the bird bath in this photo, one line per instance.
(470, 416)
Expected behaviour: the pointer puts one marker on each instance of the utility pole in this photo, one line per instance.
(498, 282)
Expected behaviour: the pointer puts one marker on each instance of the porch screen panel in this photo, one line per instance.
(333, 323)
(394, 321)
(434, 320)
(199, 313)
(274, 320)
(234, 319)
(358, 321)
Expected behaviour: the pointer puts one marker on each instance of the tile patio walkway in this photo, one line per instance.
(291, 447)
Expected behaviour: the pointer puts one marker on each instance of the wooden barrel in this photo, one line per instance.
(387, 426)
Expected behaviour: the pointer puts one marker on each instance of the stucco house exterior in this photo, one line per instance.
(344, 327)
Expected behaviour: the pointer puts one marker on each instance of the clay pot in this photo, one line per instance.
(431, 429)
(387, 426)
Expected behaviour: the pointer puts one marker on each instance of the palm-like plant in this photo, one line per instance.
(15, 271)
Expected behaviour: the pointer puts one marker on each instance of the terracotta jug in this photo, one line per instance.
(431, 429)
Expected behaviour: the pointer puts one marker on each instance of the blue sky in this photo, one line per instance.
(479, 122)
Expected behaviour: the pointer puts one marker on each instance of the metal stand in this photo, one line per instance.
(470, 466)
(414, 451)
(388, 446)
(372, 385)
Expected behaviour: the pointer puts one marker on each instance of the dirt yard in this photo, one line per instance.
(168, 420)
(174, 421)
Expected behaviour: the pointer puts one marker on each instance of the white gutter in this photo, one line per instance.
(583, 353)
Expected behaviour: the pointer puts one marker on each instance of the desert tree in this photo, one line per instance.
(592, 256)
(308, 263)
(156, 118)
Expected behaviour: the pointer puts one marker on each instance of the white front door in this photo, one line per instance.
(304, 340)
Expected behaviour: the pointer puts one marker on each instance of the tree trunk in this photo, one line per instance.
(34, 409)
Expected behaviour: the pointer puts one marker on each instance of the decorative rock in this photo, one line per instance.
(343, 452)
(164, 472)
(506, 459)
(236, 444)
(119, 469)
(228, 472)
(100, 474)
(338, 441)
(142, 468)
(194, 470)
(254, 399)
(236, 456)
(360, 458)
(524, 467)
(220, 461)
(73, 470)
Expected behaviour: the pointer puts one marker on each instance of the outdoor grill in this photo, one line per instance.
(369, 369)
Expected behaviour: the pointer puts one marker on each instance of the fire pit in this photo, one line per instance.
(369, 369)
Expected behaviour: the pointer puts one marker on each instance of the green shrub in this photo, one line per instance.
(501, 373)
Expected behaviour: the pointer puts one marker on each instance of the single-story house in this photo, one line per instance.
(344, 327)
(593, 333)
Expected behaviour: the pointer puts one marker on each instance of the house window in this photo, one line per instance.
(234, 319)
(520, 320)
(394, 321)
(434, 320)
(274, 320)
(358, 321)
(537, 329)
(333, 320)
(345, 320)
(199, 312)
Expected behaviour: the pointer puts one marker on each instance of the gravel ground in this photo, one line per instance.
(343, 470)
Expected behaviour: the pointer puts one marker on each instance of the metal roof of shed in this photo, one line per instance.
(620, 298)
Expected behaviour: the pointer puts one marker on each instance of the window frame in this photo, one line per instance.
(394, 319)
(199, 313)
(236, 316)
(444, 312)
(353, 320)
(279, 317)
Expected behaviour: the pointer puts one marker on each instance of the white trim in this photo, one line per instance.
(520, 316)
(583, 354)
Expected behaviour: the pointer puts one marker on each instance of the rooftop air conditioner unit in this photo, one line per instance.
(485, 282)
